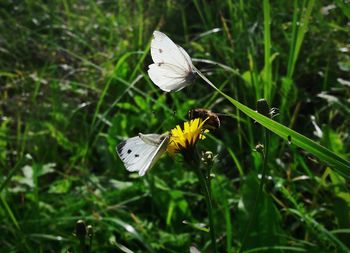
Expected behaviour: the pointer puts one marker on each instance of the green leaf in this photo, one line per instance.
(141, 103)
(60, 186)
(333, 160)
(130, 230)
(336, 162)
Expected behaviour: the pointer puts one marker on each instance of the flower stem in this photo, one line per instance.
(261, 186)
(205, 184)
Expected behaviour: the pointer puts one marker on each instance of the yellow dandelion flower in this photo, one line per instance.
(185, 138)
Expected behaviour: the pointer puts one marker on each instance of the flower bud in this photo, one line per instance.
(90, 232)
(208, 157)
(263, 107)
(80, 229)
(259, 148)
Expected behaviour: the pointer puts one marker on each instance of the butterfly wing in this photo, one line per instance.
(138, 155)
(164, 50)
(164, 141)
(194, 250)
(168, 77)
(172, 69)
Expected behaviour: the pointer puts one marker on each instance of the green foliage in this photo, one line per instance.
(74, 84)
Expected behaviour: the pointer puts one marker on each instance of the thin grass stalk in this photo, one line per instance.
(199, 10)
(205, 185)
(298, 34)
(12, 173)
(193, 160)
(18, 233)
(304, 22)
(141, 22)
(318, 229)
(267, 45)
(264, 155)
(292, 43)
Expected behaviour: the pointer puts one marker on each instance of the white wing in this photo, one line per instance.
(138, 155)
(194, 250)
(164, 50)
(172, 69)
(168, 77)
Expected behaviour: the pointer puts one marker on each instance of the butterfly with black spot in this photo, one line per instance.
(141, 152)
(172, 69)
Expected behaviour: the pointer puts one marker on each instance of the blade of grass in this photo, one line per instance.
(267, 45)
(276, 248)
(131, 230)
(304, 23)
(299, 29)
(14, 221)
(339, 164)
(319, 229)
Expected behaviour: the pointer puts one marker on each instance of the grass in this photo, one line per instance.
(74, 84)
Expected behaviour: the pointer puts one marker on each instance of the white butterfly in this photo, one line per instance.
(193, 249)
(172, 69)
(141, 152)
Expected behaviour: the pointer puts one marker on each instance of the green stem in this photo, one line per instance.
(205, 184)
(192, 158)
(261, 185)
(82, 245)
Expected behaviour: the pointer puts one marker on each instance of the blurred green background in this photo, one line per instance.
(73, 84)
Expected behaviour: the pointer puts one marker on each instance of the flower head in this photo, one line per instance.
(183, 139)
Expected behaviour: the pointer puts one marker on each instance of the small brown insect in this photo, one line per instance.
(213, 121)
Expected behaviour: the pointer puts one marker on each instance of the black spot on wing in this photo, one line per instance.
(129, 151)
(137, 155)
(160, 50)
(120, 147)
